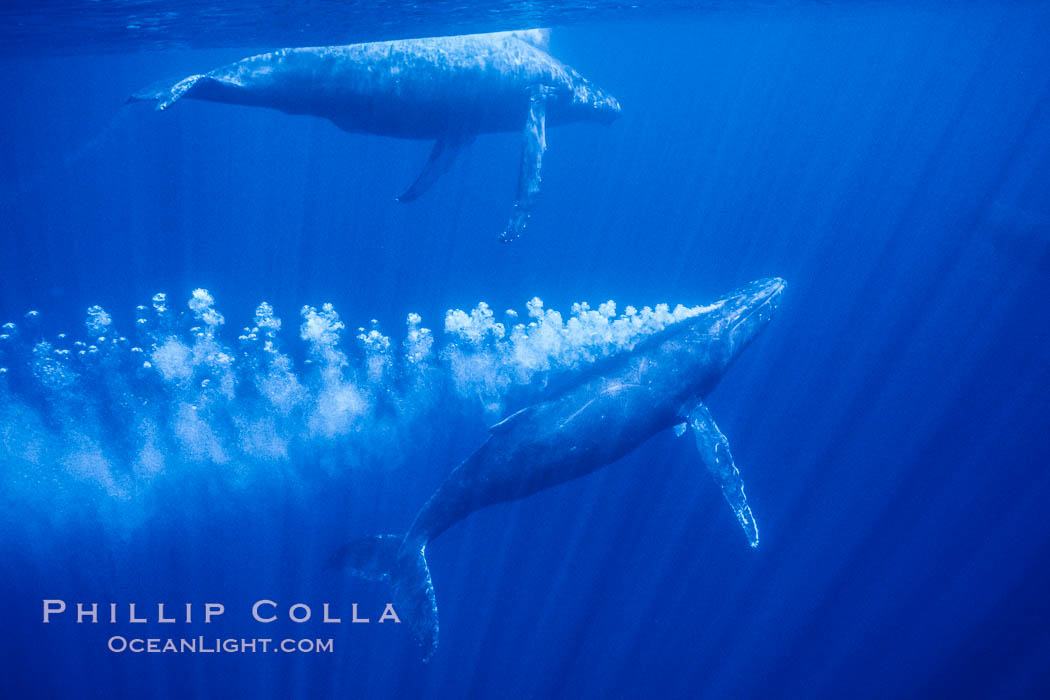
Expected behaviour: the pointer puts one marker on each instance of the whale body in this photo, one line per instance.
(445, 89)
(606, 413)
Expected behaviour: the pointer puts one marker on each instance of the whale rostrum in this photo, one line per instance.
(605, 413)
(445, 89)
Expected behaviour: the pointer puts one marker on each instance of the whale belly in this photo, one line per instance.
(549, 444)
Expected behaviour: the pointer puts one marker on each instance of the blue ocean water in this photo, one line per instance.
(891, 161)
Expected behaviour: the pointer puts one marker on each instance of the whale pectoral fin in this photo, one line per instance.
(715, 454)
(441, 158)
(532, 148)
(512, 419)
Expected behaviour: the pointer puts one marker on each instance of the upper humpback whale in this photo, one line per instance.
(444, 89)
(608, 411)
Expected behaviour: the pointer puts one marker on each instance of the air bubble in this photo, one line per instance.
(204, 397)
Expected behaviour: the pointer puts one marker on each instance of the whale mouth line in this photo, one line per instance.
(764, 301)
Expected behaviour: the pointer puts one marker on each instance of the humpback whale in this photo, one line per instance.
(610, 409)
(444, 89)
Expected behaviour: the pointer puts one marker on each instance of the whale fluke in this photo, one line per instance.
(166, 95)
(369, 558)
(154, 92)
(393, 558)
(179, 89)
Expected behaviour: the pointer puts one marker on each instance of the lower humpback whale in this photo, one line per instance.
(606, 413)
(445, 89)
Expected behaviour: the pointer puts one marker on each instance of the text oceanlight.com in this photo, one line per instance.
(217, 645)
(262, 611)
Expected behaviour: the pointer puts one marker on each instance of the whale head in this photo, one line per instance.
(746, 312)
(701, 348)
(606, 108)
(583, 102)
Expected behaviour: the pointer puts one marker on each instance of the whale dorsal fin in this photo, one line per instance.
(540, 38)
(441, 158)
(714, 453)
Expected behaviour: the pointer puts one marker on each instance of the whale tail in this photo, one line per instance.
(165, 94)
(404, 564)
